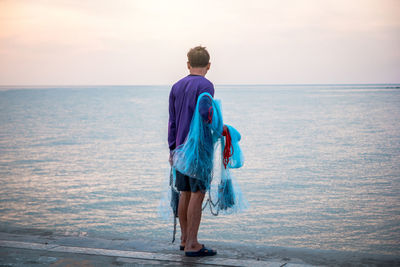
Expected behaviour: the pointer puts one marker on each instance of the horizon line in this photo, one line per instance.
(221, 84)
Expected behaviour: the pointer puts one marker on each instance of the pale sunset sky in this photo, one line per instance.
(135, 42)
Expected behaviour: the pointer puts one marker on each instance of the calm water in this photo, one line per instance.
(322, 164)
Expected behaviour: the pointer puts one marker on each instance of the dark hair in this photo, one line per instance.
(198, 57)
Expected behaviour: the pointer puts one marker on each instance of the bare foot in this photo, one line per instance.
(193, 247)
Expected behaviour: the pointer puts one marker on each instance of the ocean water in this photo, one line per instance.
(322, 167)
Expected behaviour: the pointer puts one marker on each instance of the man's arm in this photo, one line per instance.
(205, 105)
(206, 109)
(171, 123)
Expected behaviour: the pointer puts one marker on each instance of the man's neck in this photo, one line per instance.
(198, 71)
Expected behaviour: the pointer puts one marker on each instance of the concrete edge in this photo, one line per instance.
(128, 256)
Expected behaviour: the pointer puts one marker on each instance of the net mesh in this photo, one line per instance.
(208, 153)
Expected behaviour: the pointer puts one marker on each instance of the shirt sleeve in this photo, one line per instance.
(209, 88)
(205, 105)
(171, 123)
(206, 109)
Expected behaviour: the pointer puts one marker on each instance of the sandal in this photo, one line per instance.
(201, 253)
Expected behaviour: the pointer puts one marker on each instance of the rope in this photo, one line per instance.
(210, 114)
(174, 209)
(228, 150)
(212, 205)
(174, 233)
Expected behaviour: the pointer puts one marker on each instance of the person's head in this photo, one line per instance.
(198, 60)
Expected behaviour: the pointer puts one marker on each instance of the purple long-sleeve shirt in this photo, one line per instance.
(182, 104)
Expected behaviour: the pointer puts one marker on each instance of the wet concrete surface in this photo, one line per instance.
(16, 253)
(41, 248)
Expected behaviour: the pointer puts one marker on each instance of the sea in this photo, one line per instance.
(321, 171)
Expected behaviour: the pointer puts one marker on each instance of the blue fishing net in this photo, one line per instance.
(236, 159)
(210, 150)
(203, 154)
(195, 156)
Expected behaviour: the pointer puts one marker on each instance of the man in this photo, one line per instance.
(182, 103)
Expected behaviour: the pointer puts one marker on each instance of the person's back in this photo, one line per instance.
(182, 104)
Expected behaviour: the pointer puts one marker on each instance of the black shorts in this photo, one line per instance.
(186, 183)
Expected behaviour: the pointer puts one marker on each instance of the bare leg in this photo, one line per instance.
(193, 221)
(182, 213)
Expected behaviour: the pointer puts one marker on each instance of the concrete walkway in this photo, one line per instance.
(16, 253)
(43, 248)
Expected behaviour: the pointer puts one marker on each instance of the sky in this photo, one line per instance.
(136, 42)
